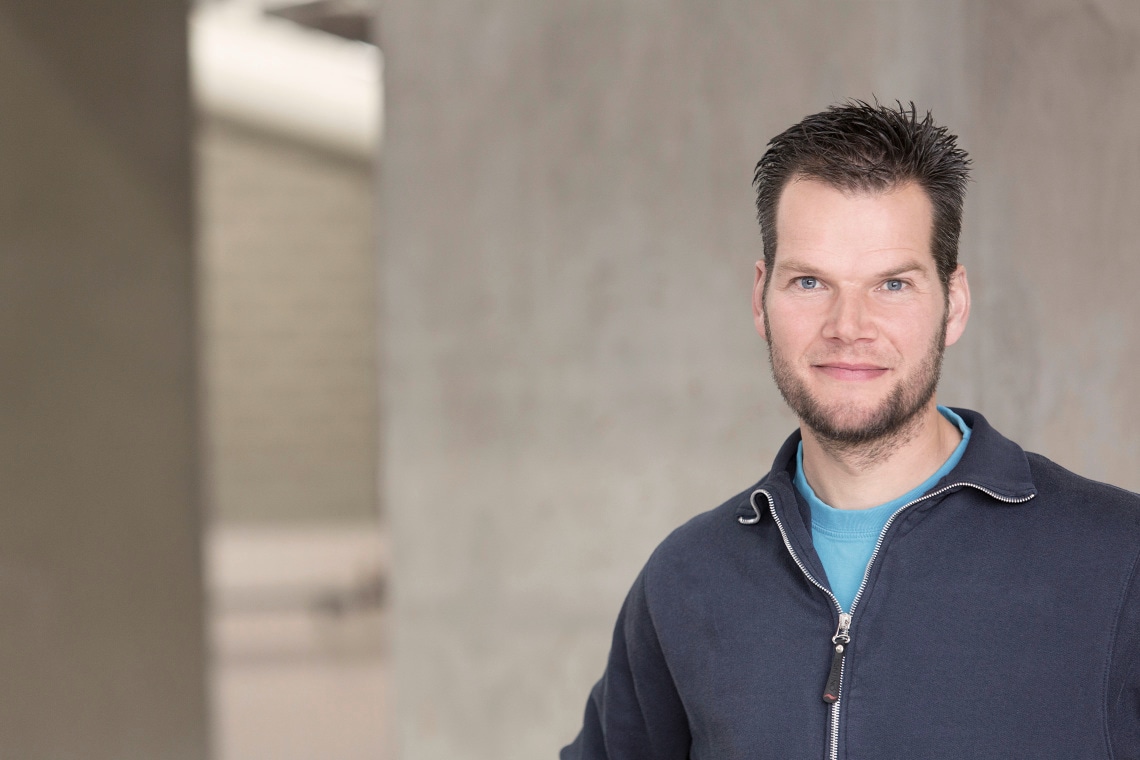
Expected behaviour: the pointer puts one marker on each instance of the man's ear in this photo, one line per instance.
(758, 300)
(958, 305)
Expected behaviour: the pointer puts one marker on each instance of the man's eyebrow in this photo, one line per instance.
(802, 267)
(904, 268)
(796, 266)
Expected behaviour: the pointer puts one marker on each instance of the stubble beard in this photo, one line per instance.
(891, 425)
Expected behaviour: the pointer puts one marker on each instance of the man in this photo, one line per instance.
(905, 582)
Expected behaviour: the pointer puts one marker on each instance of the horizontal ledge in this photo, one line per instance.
(276, 75)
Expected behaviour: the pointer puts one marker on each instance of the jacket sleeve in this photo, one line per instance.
(1125, 718)
(634, 712)
(1124, 676)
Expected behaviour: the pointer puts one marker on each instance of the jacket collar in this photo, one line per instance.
(991, 462)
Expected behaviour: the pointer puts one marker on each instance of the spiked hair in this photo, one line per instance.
(868, 148)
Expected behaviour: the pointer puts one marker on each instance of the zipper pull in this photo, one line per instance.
(840, 641)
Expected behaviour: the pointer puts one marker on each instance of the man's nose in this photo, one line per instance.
(849, 318)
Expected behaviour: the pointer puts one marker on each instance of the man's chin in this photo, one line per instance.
(845, 425)
(853, 423)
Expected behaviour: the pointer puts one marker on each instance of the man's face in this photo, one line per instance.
(854, 314)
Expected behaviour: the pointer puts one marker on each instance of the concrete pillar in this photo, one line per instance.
(567, 237)
(101, 644)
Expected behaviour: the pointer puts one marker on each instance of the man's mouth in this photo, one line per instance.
(851, 371)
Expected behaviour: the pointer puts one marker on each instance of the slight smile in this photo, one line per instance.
(851, 372)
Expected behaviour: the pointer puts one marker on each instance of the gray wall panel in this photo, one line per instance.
(567, 241)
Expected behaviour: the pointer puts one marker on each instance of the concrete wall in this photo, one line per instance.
(568, 234)
(1057, 117)
(101, 630)
(289, 324)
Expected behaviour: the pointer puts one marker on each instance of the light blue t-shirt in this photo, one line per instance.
(845, 538)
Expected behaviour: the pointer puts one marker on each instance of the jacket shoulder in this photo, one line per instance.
(1048, 475)
(1057, 484)
(705, 539)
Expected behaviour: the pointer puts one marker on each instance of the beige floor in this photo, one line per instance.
(297, 641)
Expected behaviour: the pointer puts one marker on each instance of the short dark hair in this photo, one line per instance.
(857, 146)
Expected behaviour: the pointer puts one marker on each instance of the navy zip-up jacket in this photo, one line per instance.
(999, 618)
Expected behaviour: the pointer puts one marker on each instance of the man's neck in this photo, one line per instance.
(876, 472)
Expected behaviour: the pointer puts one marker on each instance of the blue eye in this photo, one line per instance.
(893, 285)
(808, 283)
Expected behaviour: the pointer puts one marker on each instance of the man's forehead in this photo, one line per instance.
(815, 218)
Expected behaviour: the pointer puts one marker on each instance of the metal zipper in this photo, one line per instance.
(833, 750)
(842, 639)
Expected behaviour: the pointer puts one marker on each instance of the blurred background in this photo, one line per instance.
(343, 393)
